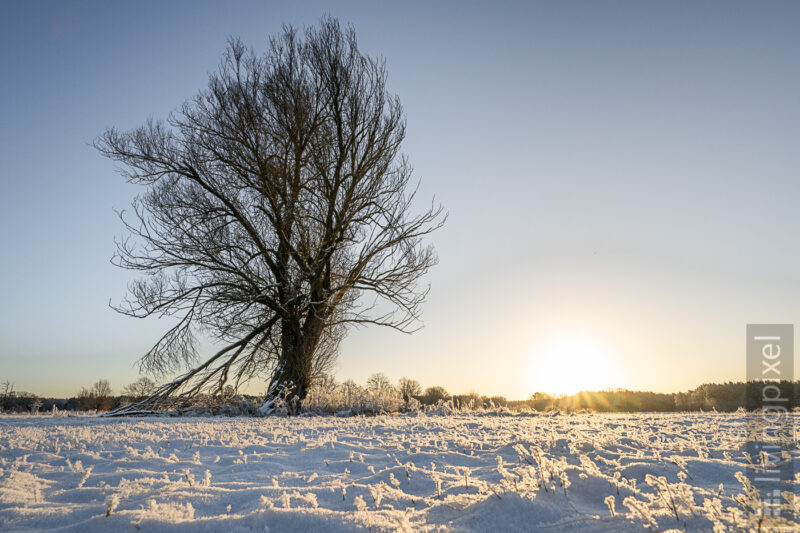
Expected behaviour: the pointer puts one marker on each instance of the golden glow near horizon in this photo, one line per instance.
(572, 363)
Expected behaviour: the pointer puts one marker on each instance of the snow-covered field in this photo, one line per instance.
(465, 472)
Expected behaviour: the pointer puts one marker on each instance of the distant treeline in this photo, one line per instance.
(99, 397)
(723, 397)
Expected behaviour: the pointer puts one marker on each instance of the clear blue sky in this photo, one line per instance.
(625, 173)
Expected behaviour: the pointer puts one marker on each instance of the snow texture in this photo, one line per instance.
(460, 472)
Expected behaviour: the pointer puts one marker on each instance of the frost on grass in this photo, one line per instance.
(449, 471)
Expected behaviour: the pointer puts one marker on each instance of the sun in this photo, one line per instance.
(571, 364)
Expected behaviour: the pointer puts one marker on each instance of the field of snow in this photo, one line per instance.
(465, 472)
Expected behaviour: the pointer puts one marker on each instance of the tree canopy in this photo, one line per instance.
(278, 210)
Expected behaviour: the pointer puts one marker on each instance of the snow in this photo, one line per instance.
(462, 472)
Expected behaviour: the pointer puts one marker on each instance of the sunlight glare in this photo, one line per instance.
(571, 364)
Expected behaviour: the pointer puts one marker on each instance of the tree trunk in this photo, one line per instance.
(292, 376)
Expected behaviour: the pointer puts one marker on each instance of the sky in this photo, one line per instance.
(621, 180)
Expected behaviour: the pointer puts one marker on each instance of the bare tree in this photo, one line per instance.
(98, 397)
(277, 213)
(434, 394)
(409, 388)
(350, 390)
(325, 382)
(378, 382)
(140, 389)
(102, 389)
(7, 395)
